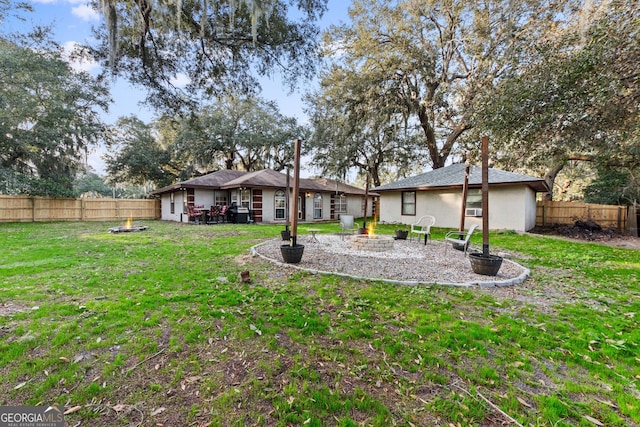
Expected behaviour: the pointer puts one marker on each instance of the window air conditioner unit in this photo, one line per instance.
(473, 212)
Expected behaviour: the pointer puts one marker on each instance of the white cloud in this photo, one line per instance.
(180, 80)
(85, 12)
(76, 61)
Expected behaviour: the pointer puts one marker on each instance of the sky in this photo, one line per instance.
(72, 21)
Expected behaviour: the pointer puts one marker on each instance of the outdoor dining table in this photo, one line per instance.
(203, 215)
(313, 232)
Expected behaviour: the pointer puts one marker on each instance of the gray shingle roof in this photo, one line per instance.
(453, 176)
(210, 180)
(266, 178)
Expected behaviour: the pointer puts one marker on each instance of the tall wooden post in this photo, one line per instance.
(296, 190)
(465, 190)
(485, 195)
(366, 201)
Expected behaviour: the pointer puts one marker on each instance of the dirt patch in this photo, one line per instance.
(8, 309)
(590, 231)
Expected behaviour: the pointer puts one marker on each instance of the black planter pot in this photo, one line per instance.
(286, 235)
(402, 234)
(292, 254)
(487, 265)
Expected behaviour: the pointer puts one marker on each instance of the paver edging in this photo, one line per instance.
(483, 284)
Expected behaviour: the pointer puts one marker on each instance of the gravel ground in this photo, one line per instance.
(409, 261)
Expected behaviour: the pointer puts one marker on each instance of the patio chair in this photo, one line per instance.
(223, 213)
(347, 224)
(455, 238)
(214, 213)
(422, 227)
(193, 215)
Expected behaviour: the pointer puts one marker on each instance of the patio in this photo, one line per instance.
(409, 262)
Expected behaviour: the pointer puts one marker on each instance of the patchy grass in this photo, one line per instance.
(156, 328)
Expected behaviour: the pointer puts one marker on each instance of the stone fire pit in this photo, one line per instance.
(371, 243)
(128, 229)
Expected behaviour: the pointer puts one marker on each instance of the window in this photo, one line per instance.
(245, 197)
(220, 198)
(474, 198)
(341, 203)
(172, 202)
(408, 203)
(317, 206)
(280, 202)
(474, 202)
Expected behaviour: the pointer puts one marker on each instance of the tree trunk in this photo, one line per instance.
(438, 156)
(375, 176)
(228, 163)
(550, 178)
(430, 135)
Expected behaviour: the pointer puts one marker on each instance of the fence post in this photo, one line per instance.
(620, 218)
(587, 212)
(33, 208)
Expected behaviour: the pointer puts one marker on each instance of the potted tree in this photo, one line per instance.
(286, 234)
(483, 262)
(292, 251)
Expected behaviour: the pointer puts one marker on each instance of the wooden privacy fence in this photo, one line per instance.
(36, 209)
(606, 216)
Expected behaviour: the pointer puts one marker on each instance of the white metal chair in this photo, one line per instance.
(454, 237)
(423, 227)
(347, 224)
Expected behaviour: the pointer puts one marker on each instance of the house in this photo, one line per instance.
(264, 193)
(512, 198)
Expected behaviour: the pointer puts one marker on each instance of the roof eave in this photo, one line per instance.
(537, 186)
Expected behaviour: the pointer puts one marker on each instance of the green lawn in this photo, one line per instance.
(156, 328)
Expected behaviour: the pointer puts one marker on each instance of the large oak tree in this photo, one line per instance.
(576, 100)
(246, 133)
(214, 46)
(49, 116)
(423, 64)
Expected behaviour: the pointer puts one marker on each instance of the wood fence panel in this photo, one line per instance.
(47, 210)
(607, 216)
(16, 208)
(40, 209)
(100, 209)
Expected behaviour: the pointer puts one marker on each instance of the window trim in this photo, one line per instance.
(280, 195)
(317, 197)
(340, 204)
(403, 205)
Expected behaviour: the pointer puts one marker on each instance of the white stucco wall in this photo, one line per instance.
(165, 207)
(510, 208)
(530, 209)
(203, 197)
(355, 205)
